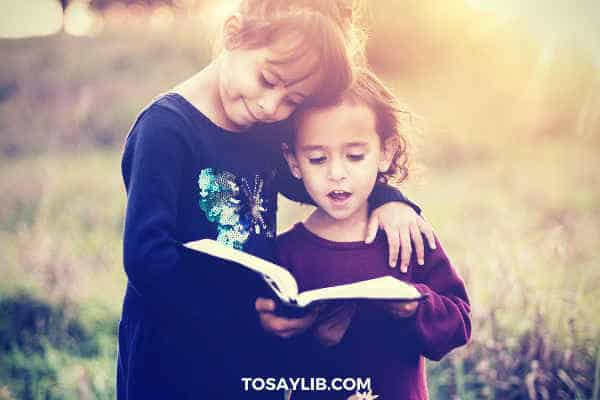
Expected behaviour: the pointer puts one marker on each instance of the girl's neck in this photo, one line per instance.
(202, 91)
(352, 229)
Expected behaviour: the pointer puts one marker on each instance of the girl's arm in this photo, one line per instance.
(442, 321)
(158, 267)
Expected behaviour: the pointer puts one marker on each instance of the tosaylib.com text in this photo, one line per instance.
(306, 384)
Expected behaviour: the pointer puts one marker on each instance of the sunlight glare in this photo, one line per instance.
(19, 19)
(556, 21)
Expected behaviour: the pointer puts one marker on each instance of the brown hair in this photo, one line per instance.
(391, 120)
(325, 26)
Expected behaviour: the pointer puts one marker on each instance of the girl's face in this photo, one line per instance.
(261, 86)
(338, 154)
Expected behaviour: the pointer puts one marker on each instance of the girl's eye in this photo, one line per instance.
(317, 160)
(356, 157)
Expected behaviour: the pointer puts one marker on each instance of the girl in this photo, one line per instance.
(202, 162)
(383, 341)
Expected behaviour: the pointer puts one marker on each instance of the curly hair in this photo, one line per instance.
(391, 120)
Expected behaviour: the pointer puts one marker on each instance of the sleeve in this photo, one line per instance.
(384, 193)
(442, 321)
(156, 264)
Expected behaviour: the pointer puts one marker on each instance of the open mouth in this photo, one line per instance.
(339, 195)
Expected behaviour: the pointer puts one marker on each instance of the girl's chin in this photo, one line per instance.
(338, 215)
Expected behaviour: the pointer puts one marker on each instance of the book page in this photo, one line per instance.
(383, 288)
(278, 278)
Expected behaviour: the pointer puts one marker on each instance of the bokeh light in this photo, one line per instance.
(19, 19)
(81, 20)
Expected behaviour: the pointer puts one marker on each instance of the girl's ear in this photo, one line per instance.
(231, 29)
(291, 161)
(388, 150)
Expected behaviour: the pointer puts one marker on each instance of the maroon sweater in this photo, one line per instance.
(389, 351)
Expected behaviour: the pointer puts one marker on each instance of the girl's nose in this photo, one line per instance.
(336, 170)
(268, 105)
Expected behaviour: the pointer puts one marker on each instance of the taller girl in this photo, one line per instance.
(202, 161)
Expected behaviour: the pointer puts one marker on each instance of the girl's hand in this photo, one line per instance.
(401, 224)
(401, 309)
(278, 325)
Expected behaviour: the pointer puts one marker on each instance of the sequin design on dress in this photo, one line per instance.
(237, 206)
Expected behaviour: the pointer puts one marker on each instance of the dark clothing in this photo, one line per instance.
(390, 351)
(184, 334)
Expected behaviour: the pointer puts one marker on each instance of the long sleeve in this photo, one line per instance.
(383, 193)
(442, 321)
(158, 267)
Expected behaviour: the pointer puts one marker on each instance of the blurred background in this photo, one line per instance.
(506, 101)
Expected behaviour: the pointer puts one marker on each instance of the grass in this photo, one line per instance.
(526, 249)
(519, 215)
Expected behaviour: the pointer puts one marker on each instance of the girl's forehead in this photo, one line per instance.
(344, 113)
(293, 61)
(337, 125)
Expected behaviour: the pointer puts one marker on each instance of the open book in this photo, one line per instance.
(285, 287)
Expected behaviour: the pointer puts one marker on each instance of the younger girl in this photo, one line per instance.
(199, 162)
(383, 341)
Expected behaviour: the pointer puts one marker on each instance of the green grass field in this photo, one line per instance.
(519, 216)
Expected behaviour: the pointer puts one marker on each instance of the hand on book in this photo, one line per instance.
(400, 309)
(296, 306)
(281, 326)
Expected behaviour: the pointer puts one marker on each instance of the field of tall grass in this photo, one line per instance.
(518, 214)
